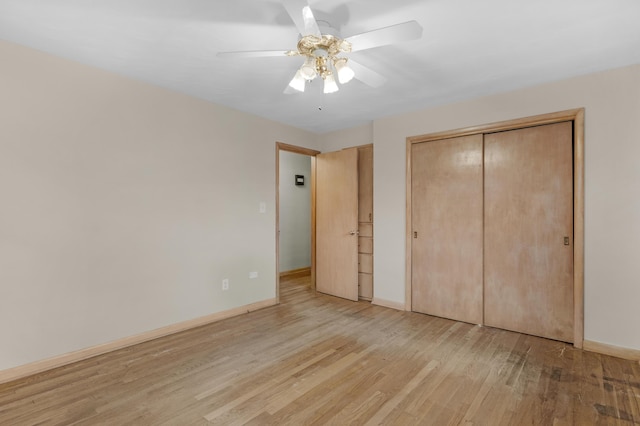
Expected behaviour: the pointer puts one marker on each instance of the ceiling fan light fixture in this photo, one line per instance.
(345, 73)
(298, 82)
(330, 85)
(321, 49)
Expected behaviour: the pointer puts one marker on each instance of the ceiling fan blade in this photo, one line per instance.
(367, 75)
(253, 54)
(290, 91)
(302, 17)
(405, 31)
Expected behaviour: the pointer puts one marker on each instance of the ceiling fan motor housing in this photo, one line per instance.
(328, 43)
(322, 50)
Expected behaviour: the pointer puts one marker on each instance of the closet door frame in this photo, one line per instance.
(577, 117)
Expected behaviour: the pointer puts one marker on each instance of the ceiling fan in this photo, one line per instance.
(324, 51)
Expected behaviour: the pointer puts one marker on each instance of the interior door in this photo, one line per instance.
(337, 223)
(529, 230)
(446, 248)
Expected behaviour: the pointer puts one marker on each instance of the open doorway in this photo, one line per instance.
(295, 212)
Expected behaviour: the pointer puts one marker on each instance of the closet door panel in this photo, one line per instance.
(529, 231)
(446, 239)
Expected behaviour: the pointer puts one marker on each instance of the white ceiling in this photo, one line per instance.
(469, 48)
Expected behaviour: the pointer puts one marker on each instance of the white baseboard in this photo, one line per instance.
(388, 303)
(617, 351)
(36, 367)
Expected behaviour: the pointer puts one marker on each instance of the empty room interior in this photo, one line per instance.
(320, 212)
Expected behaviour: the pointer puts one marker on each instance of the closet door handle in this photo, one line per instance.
(354, 232)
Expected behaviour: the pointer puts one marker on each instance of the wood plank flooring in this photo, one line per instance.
(317, 360)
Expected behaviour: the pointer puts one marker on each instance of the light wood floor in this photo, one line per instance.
(316, 359)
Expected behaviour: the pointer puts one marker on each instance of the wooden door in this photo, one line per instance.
(337, 223)
(446, 249)
(529, 230)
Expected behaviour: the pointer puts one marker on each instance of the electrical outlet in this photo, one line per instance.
(225, 284)
(253, 275)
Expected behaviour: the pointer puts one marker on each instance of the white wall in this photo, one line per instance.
(295, 212)
(123, 206)
(356, 136)
(612, 188)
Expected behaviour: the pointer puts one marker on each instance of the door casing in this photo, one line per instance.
(311, 153)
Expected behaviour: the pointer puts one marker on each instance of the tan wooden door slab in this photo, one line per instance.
(447, 221)
(337, 223)
(528, 253)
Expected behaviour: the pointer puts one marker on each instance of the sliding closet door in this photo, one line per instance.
(528, 255)
(446, 249)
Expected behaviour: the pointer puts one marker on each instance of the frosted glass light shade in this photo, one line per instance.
(330, 85)
(345, 73)
(308, 69)
(298, 82)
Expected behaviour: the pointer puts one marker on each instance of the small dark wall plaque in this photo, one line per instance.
(299, 180)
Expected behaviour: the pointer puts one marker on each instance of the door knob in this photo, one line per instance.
(354, 232)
